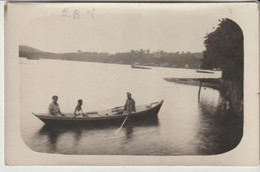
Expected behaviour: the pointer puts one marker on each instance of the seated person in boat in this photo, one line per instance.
(54, 108)
(78, 110)
(130, 104)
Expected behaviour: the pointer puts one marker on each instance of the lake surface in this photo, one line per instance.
(185, 125)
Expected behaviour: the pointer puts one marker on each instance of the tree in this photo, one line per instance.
(141, 51)
(224, 50)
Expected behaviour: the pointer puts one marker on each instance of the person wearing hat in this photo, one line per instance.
(130, 104)
(54, 108)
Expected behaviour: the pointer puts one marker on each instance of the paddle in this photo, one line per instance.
(126, 119)
(118, 107)
(122, 124)
(76, 115)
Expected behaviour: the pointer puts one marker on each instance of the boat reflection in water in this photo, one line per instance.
(185, 127)
(70, 139)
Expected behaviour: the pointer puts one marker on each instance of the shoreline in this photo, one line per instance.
(209, 83)
(116, 63)
(230, 91)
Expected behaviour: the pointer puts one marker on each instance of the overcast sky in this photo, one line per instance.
(121, 31)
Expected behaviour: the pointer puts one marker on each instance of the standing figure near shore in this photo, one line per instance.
(54, 108)
(129, 104)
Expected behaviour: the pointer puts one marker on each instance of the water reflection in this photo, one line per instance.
(53, 135)
(185, 127)
(129, 131)
(77, 136)
(219, 129)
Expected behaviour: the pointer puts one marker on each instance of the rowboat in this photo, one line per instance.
(139, 67)
(32, 58)
(205, 71)
(110, 116)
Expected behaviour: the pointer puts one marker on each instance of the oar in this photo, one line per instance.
(118, 107)
(122, 124)
(75, 116)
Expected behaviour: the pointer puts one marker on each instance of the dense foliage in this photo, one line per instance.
(224, 50)
(141, 57)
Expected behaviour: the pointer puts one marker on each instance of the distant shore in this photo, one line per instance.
(141, 57)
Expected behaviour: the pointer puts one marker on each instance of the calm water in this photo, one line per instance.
(185, 126)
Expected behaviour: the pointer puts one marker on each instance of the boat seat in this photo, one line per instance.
(92, 113)
(151, 105)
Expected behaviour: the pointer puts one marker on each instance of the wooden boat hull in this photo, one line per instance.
(110, 116)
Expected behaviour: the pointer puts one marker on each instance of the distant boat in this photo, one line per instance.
(32, 58)
(111, 116)
(139, 67)
(205, 71)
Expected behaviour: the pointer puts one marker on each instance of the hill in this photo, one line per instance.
(141, 57)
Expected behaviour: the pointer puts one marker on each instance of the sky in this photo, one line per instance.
(120, 31)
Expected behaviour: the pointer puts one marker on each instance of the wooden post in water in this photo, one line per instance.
(199, 90)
